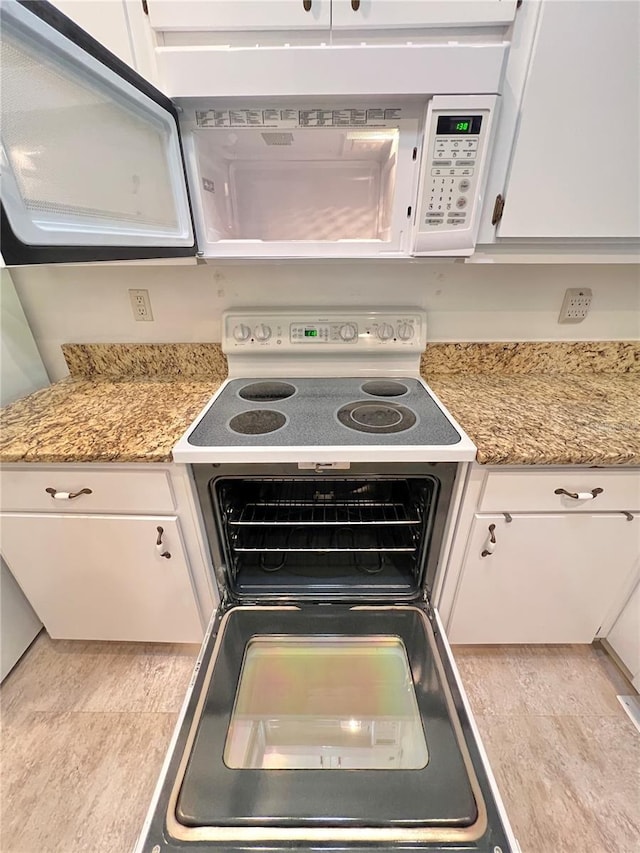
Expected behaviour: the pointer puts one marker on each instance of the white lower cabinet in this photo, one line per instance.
(547, 578)
(108, 552)
(103, 577)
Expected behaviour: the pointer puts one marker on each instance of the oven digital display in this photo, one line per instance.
(456, 125)
(311, 333)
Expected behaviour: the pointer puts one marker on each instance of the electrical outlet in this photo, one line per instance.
(140, 304)
(576, 304)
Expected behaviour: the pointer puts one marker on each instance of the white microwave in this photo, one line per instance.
(385, 153)
(385, 177)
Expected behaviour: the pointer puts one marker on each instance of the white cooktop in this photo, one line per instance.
(344, 386)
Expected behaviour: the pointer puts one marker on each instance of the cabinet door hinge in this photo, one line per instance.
(498, 209)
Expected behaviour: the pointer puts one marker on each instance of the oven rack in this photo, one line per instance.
(325, 502)
(323, 540)
(302, 513)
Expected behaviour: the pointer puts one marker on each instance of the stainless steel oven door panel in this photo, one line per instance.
(389, 804)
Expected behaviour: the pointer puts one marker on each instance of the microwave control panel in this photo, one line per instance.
(452, 178)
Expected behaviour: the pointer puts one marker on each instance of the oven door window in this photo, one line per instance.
(337, 703)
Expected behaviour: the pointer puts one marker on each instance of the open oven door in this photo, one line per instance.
(92, 165)
(326, 726)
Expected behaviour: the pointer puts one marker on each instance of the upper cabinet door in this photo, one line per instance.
(239, 15)
(575, 170)
(414, 14)
(92, 164)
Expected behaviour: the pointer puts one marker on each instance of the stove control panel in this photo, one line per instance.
(329, 331)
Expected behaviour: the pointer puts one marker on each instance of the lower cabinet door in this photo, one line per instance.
(545, 578)
(104, 577)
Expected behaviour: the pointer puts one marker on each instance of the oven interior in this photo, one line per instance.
(325, 537)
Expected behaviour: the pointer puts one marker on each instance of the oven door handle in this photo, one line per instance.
(319, 467)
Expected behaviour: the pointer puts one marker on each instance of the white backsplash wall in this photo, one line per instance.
(484, 302)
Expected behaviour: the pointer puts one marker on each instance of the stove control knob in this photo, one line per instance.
(348, 331)
(262, 332)
(242, 333)
(385, 331)
(405, 331)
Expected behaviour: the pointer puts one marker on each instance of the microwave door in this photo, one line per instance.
(92, 165)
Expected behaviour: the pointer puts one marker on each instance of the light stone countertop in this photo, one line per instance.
(131, 402)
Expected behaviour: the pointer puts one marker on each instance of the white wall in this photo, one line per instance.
(464, 302)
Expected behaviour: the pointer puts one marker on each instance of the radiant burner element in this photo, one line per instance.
(366, 416)
(266, 392)
(384, 388)
(257, 422)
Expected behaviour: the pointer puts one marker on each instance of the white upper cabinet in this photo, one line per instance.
(266, 15)
(105, 20)
(575, 165)
(239, 15)
(415, 14)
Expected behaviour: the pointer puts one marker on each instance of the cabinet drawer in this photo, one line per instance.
(535, 491)
(111, 491)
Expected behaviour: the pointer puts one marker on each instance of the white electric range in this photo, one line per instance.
(326, 711)
(324, 387)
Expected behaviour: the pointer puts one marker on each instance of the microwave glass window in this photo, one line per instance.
(311, 184)
(339, 703)
(76, 154)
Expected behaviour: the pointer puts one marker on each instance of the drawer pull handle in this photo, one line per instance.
(307, 5)
(627, 515)
(160, 546)
(66, 496)
(580, 496)
(490, 544)
(355, 5)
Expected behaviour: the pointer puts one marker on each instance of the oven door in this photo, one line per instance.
(332, 725)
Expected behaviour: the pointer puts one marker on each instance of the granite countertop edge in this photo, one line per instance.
(139, 420)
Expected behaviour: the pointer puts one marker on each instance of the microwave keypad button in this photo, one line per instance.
(471, 144)
(442, 162)
(461, 202)
(464, 173)
(436, 172)
(464, 185)
(465, 162)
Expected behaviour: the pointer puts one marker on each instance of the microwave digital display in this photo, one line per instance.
(456, 125)
(311, 333)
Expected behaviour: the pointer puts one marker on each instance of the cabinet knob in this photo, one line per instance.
(580, 496)
(490, 544)
(306, 5)
(66, 496)
(355, 5)
(160, 546)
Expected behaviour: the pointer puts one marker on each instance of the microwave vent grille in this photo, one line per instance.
(276, 138)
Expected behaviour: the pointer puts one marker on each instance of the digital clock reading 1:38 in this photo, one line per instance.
(311, 333)
(454, 125)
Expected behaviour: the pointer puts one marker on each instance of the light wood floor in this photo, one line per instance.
(85, 727)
